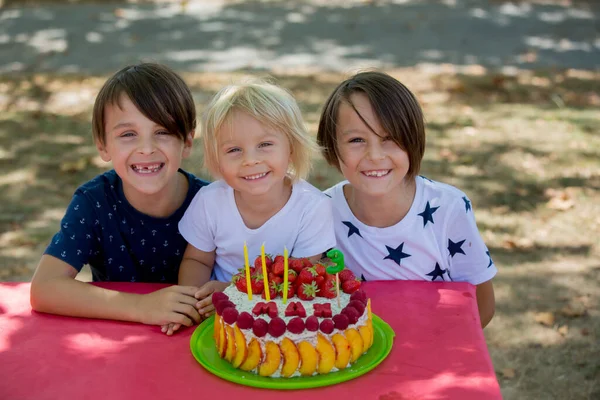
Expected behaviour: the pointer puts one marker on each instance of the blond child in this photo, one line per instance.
(256, 143)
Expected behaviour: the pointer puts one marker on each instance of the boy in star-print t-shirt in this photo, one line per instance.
(389, 222)
(123, 223)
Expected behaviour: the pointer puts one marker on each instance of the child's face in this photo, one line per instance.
(373, 164)
(144, 155)
(253, 158)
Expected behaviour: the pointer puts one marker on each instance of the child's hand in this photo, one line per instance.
(174, 304)
(204, 294)
(170, 329)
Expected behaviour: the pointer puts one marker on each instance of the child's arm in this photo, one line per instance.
(486, 302)
(54, 290)
(196, 266)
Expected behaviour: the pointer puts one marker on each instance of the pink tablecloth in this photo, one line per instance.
(439, 353)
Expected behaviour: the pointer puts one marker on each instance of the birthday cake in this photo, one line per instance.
(324, 325)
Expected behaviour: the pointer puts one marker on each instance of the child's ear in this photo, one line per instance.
(187, 143)
(102, 151)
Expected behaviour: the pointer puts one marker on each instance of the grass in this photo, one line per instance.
(525, 148)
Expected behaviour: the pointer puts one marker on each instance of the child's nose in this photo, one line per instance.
(147, 145)
(251, 158)
(376, 151)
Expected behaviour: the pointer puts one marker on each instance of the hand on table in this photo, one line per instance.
(204, 305)
(174, 304)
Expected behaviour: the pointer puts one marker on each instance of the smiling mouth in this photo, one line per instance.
(255, 176)
(377, 173)
(147, 168)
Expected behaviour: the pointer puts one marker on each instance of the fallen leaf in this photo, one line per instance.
(563, 330)
(585, 332)
(573, 310)
(544, 318)
(508, 373)
(560, 200)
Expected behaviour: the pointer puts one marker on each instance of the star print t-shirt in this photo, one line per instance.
(102, 229)
(437, 240)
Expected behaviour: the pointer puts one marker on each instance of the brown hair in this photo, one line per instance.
(157, 92)
(396, 107)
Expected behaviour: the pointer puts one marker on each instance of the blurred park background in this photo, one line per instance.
(511, 92)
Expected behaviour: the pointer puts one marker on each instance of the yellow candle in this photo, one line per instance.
(285, 274)
(248, 280)
(264, 271)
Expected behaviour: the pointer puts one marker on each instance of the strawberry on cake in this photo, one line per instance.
(313, 333)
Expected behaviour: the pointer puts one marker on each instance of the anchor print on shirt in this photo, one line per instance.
(143, 242)
(76, 207)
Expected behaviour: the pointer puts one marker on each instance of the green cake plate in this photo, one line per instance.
(202, 345)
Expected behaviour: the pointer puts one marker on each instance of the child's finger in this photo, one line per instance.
(170, 331)
(204, 292)
(164, 328)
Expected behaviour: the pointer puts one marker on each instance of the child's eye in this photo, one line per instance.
(385, 139)
(163, 133)
(356, 140)
(265, 144)
(127, 134)
(233, 150)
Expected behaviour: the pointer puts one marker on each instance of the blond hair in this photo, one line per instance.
(272, 106)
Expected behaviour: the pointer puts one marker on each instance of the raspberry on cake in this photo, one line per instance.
(311, 334)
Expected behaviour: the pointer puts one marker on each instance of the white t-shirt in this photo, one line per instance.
(437, 240)
(212, 222)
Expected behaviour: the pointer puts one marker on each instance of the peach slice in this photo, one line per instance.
(326, 354)
(217, 328)
(272, 360)
(365, 334)
(230, 349)
(369, 309)
(254, 356)
(356, 343)
(308, 357)
(342, 350)
(291, 357)
(241, 352)
(222, 342)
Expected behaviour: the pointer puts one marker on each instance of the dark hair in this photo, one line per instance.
(157, 92)
(395, 106)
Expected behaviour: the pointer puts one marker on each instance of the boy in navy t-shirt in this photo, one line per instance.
(123, 223)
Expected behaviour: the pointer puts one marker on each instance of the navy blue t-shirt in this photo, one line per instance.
(102, 229)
